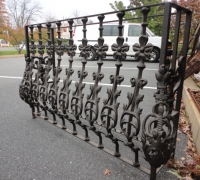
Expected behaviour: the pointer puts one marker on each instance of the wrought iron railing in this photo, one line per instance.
(155, 134)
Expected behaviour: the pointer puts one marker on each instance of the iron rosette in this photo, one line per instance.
(120, 49)
(101, 48)
(71, 48)
(85, 49)
(143, 49)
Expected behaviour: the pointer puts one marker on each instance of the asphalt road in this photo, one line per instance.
(35, 149)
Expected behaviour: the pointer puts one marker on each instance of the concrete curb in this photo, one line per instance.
(12, 56)
(192, 111)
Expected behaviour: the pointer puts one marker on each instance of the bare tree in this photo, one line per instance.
(76, 13)
(49, 16)
(23, 12)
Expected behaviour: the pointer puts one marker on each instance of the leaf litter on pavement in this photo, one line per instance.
(188, 167)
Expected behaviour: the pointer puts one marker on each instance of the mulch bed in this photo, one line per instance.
(195, 94)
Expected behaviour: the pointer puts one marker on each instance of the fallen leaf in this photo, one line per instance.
(186, 128)
(191, 139)
(193, 149)
(182, 158)
(197, 158)
(175, 173)
(190, 161)
(188, 178)
(189, 144)
(107, 172)
(178, 139)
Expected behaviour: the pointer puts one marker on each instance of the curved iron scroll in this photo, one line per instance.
(77, 99)
(92, 104)
(109, 112)
(159, 130)
(48, 67)
(130, 119)
(53, 92)
(65, 90)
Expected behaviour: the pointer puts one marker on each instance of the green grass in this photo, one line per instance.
(4, 53)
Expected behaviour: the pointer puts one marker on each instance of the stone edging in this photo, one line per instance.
(192, 111)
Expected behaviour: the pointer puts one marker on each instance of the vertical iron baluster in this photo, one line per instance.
(92, 104)
(45, 84)
(32, 66)
(158, 127)
(40, 70)
(109, 112)
(130, 119)
(53, 92)
(65, 91)
(53, 49)
(77, 99)
(26, 83)
(180, 71)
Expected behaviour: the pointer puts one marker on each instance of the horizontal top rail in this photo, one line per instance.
(112, 21)
(125, 10)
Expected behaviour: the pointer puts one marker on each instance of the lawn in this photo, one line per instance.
(14, 52)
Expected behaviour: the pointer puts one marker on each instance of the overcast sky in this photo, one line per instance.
(64, 8)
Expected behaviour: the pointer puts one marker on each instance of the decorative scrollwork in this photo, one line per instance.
(159, 127)
(53, 92)
(25, 85)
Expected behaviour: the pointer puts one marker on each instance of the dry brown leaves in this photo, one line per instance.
(188, 167)
(106, 172)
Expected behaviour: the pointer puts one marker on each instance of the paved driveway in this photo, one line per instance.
(35, 149)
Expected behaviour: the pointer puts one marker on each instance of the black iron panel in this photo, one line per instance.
(155, 135)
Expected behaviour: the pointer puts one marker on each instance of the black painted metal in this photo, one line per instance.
(156, 133)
